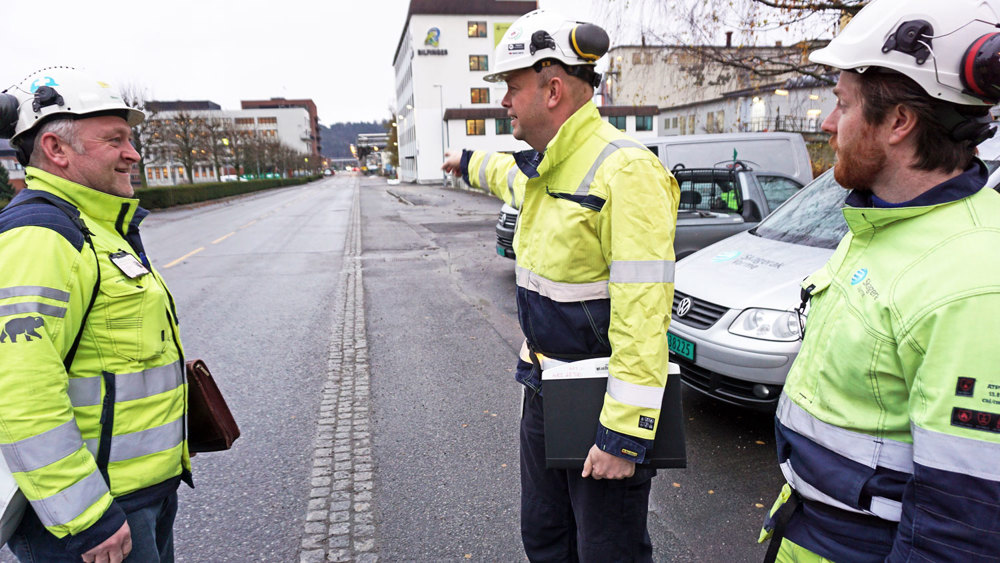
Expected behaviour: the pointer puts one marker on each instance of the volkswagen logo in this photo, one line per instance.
(684, 307)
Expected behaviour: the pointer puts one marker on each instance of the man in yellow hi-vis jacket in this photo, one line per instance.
(92, 391)
(595, 264)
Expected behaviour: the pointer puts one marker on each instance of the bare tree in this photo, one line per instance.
(213, 132)
(181, 140)
(762, 38)
(136, 96)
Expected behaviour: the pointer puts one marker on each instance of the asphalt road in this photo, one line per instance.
(255, 279)
(443, 337)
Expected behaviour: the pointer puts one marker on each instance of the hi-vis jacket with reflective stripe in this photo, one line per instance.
(595, 262)
(892, 408)
(124, 396)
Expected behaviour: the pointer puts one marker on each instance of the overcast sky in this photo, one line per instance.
(336, 52)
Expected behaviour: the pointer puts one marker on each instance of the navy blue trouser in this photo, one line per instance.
(152, 530)
(565, 517)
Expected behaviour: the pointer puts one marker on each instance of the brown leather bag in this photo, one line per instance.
(211, 427)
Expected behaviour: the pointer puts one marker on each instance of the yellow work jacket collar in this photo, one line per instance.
(581, 125)
(92, 203)
(860, 216)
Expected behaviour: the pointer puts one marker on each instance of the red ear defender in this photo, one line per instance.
(981, 67)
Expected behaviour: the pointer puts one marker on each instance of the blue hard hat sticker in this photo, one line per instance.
(859, 276)
(49, 81)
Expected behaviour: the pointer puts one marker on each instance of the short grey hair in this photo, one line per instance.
(65, 129)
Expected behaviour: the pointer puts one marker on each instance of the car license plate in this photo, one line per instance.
(681, 347)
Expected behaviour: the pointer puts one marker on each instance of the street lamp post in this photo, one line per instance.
(444, 128)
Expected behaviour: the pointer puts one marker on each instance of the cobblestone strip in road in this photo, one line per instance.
(340, 524)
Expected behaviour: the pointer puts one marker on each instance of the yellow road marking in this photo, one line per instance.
(220, 239)
(185, 257)
(248, 224)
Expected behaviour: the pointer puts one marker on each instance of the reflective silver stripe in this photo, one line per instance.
(62, 507)
(34, 291)
(861, 448)
(92, 445)
(511, 174)
(884, 508)
(608, 151)
(42, 308)
(546, 363)
(43, 449)
(957, 454)
(86, 391)
(642, 396)
(560, 291)
(642, 271)
(145, 442)
(482, 171)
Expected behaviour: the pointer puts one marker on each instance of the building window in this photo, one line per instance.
(244, 121)
(477, 62)
(618, 122)
(475, 127)
(644, 123)
(477, 29)
(480, 95)
(267, 120)
(675, 122)
(503, 126)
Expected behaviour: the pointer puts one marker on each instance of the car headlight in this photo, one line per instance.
(767, 324)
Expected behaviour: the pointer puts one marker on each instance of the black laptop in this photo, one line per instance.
(573, 402)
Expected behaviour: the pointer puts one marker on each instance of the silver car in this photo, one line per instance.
(735, 329)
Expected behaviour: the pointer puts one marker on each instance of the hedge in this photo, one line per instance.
(159, 197)
(166, 196)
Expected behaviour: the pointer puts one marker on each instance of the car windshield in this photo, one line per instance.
(811, 217)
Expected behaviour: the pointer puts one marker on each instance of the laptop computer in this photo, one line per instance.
(573, 399)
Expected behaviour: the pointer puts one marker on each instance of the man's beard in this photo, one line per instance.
(858, 165)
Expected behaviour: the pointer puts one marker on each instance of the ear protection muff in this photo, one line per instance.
(589, 41)
(8, 115)
(981, 67)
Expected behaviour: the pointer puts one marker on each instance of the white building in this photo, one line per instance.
(290, 126)
(444, 51)
(696, 94)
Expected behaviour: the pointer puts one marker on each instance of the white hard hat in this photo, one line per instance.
(56, 91)
(948, 48)
(541, 35)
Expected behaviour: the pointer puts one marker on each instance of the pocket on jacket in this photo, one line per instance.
(131, 319)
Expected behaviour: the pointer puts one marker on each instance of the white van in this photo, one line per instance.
(769, 152)
(735, 329)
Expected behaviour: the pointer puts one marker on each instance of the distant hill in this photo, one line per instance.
(338, 138)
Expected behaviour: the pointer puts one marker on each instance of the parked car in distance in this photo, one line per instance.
(767, 168)
(735, 330)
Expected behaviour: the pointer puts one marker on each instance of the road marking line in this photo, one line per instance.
(185, 257)
(220, 239)
(250, 223)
